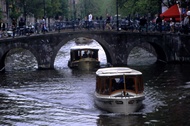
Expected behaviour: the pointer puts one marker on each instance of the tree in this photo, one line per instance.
(96, 7)
(140, 7)
(0, 14)
(88, 6)
(37, 8)
(34, 7)
(14, 9)
(52, 7)
(64, 8)
(56, 8)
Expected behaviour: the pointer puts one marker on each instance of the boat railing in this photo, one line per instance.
(88, 58)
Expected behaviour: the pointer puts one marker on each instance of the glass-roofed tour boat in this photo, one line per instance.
(119, 90)
(84, 58)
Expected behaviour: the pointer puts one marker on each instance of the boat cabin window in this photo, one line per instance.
(93, 54)
(75, 55)
(89, 54)
(84, 53)
(103, 85)
(140, 85)
(107, 85)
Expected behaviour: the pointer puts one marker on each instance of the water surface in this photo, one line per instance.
(64, 97)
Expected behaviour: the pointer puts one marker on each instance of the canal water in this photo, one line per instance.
(64, 97)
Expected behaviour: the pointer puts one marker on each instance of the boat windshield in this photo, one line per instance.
(84, 53)
(109, 85)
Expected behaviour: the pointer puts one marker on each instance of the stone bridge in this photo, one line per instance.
(117, 46)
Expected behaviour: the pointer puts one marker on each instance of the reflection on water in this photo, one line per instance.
(139, 57)
(20, 59)
(119, 120)
(64, 97)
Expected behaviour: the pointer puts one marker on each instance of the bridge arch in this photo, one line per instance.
(7, 49)
(116, 45)
(153, 48)
(101, 41)
(161, 54)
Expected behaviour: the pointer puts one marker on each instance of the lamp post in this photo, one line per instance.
(25, 12)
(74, 15)
(117, 4)
(7, 10)
(44, 18)
(160, 6)
(44, 8)
(74, 10)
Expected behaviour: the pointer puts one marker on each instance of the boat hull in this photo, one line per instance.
(85, 64)
(124, 105)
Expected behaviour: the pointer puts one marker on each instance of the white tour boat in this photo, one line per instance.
(119, 90)
(84, 58)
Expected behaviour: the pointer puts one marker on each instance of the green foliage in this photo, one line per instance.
(56, 8)
(34, 7)
(63, 8)
(140, 7)
(96, 7)
(14, 9)
(143, 7)
(85, 7)
(52, 7)
(38, 8)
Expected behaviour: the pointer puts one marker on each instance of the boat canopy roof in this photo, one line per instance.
(116, 71)
(83, 48)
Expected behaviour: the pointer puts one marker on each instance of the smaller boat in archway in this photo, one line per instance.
(84, 58)
(119, 90)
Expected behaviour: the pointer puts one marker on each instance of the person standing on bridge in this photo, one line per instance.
(14, 27)
(44, 28)
(3, 33)
(89, 21)
(21, 26)
(108, 20)
(159, 23)
(185, 24)
(143, 24)
(172, 25)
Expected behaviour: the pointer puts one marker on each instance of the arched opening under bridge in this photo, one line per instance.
(63, 54)
(139, 56)
(20, 59)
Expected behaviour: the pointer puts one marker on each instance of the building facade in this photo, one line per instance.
(4, 12)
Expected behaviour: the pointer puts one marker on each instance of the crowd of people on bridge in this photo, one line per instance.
(19, 28)
(90, 22)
